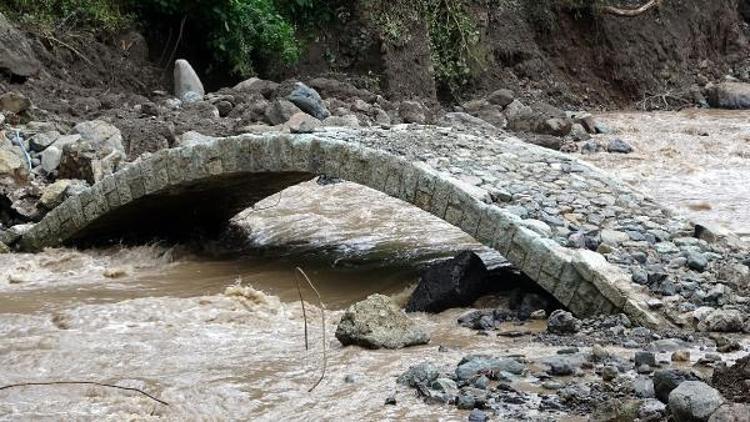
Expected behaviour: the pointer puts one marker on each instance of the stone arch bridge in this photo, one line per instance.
(530, 204)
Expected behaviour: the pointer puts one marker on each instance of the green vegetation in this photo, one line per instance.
(454, 37)
(97, 15)
(240, 33)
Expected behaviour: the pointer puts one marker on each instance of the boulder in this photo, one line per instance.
(730, 95)
(4, 248)
(54, 194)
(339, 89)
(16, 54)
(257, 86)
(11, 164)
(186, 81)
(501, 97)
(309, 101)
(51, 159)
(302, 123)
(666, 380)
(41, 141)
(100, 132)
(14, 102)
(423, 374)
(89, 161)
(454, 283)
(731, 412)
(377, 322)
(694, 401)
(563, 322)
(725, 321)
(619, 146)
(280, 111)
(413, 112)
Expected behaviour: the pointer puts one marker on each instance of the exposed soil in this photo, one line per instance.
(734, 381)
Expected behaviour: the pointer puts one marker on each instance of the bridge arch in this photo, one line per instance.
(211, 182)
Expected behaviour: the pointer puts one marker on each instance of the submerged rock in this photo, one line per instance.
(474, 365)
(377, 322)
(449, 284)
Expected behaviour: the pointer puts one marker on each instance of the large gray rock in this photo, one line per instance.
(309, 101)
(666, 380)
(694, 401)
(16, 55)
(41, 141)
(721, 320)
(377, 322)
(732, 412)
(731, 95)
(186, 81)
(11, 164)
(449, 284)
(51, 159)
(423, 374)
(89, 161)
(100, 132)
(54, 194)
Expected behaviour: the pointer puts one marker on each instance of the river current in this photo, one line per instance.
(220, 336)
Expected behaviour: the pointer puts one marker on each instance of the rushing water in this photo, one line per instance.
(221, 337)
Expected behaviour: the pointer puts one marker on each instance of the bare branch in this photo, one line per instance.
(100, 384)
(323, 320)
(629, 13)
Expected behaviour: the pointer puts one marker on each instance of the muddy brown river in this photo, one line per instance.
(220, 337)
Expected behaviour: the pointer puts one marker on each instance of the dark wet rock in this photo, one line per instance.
(377, 322)
(563, 322)
(609, 373)
(309, 101)
(731, 412)
(667, 380)
(489, 366)
(645, 358)
(694, 401)
(424, 373)
(591, 147)
(617, 145)
(390, 401)
(466, 401)
(449, 284)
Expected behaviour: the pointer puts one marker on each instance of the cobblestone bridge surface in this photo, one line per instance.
(597, 245)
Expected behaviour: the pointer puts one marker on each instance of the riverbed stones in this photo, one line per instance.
(492, 367)
(280, 111)
(186, 81)
(449, 284)
(694, 401)
(619, 146)
(731, 412)
(377, 322)
(11, 164)
(422, 374)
